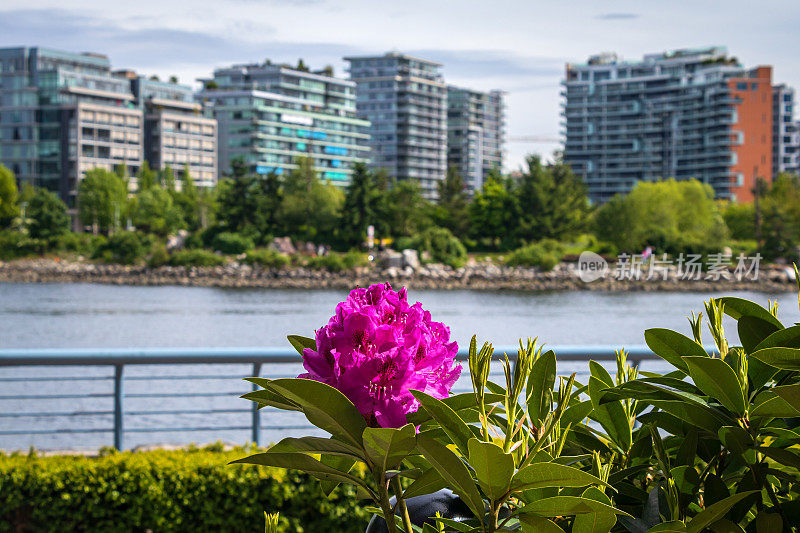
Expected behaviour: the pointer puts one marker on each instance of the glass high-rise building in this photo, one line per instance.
(681, 114)
(405, 100)
(269, 115)
(62, 114)
(475, 133)
(785, 131)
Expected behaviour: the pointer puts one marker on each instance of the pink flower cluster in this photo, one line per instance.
(376, 348)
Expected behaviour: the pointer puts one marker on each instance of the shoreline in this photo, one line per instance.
(479, 276)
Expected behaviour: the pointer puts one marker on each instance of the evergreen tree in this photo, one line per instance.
(493, 212)
(45, 214)
(407, 210)
(360, 205)
(146, 177)
(553, 202)
(452, 210)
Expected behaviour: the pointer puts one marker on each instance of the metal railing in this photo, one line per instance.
(120, 359)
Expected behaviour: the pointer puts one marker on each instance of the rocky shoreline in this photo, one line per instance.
(475, 276)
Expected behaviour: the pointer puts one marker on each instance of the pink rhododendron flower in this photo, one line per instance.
(376, 348)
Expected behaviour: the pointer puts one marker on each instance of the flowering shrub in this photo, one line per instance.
(377, 348)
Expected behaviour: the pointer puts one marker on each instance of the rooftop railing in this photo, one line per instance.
(143, 382)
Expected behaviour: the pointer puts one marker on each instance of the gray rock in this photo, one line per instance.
(390, 259)
(411, 258)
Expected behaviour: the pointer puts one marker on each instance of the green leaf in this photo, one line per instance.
(265, 397)
(456, 402)
(715, 512)
(566, 506)
(736, 439)
(387, 447)
(324, 406)
(790, 393)
(668, 527)
(770, 405)
(599, 522)
(451, 423)
(610, 415)
(753, 331)
(317, 445)
(768, 522)
(786, 338)
(718, 380)
(778, 357)
(428, 482)
(303, 462)
(726, 526)
(672, 346)
(577, 413)
(543, 475)
(538, 524)
(708, 419)
(539, 389)
(338, 462)
(493, 467)
(736, 308)
(598, 371)
(299, 343)
(783, 456)
(450, 467)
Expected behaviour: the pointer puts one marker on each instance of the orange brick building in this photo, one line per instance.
(751, 131)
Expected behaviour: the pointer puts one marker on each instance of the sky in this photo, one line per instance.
(518, 46)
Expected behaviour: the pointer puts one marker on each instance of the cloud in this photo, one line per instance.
(617, 16)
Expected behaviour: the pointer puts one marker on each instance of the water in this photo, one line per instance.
(87, 315)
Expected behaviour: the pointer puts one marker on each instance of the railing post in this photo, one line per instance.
(118, 408)
(256, 429)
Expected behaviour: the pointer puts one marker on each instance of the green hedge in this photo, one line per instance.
(199, 258)
(267, 258)
(166, 491)
(545, 254)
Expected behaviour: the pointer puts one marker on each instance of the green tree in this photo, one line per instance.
(156, 213)
(102, 200)
(493, 212)
(674, 216)
(310, 208)
(188, 201)
(168, 178)
(452, 211)
(9, 206)
(146, 177)
(248, 204)
(45, 214)
(407, 211)
(780, 213)
(740, 219)
(360, 205)
(553, 202)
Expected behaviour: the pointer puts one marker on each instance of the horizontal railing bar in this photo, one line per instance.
(59, 378)
(66, 413)
(136, 356)
(157, 378)
(50, 431)
(215, 428)
(186, 412)
(183, 395)
(56, 396)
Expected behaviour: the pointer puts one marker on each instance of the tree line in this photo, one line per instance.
(543, 202)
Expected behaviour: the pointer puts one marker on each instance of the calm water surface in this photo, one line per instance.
(87, 315)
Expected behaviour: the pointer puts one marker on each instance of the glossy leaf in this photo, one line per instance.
(539, 389)
(736, 308)
(668, 527)
(266, 397)
(427, 483)
(303, 462)
(451, 423)
(752, 331)
(768, 522)
(736, 439)
(324, 406)
(317, 445)
(538, 524)
(599, 522)
(778, 357)
(456, 402)
(726, 526)
(566, 506)
(718, 380)
(715, 512)
(790, 394)
(450, 467)
(610, 415)
(493, 468)
(542, 475)
(299, 343)
(387, 447)
(786, 338)
(783, 456)
(672, 346)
